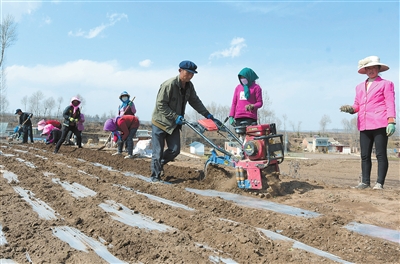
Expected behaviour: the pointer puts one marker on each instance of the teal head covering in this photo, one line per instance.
(251, 77)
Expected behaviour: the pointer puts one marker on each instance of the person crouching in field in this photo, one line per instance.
(42, 123)
(71, 114)
(124, 130)
(53, 134)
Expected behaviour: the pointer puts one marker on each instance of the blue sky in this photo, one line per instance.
(304, 52)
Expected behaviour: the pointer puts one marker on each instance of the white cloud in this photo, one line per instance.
(94, 32)
(18, 9)
(146, 63)
(235, 49)
(47, 20)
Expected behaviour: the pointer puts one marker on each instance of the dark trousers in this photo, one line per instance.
(159, 156)
(367, 140)
(27, 129)
(65, 131)
(128, 142)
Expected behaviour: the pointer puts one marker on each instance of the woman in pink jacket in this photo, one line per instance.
(247, 99)
(375, 105)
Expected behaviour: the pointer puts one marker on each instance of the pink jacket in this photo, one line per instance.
(239, 102)
(375, 106)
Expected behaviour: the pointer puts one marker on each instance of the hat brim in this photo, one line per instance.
(383, 68)
(191, 71)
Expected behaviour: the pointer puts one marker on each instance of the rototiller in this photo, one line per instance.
(261, 150)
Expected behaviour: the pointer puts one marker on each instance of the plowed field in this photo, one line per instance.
(86, 206)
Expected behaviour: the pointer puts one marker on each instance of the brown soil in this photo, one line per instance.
(216, 231)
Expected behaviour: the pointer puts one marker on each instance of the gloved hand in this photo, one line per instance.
(347, 109)
(210, 116)
(71, 119)
(231, 120)
(76, 119)
(390, 129)
(249, 107)
(179, 120)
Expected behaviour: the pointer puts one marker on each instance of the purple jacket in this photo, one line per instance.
(375, 106)
(239, 102)
(79, 124)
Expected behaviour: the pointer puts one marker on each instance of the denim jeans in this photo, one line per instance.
(128, 142)
(159, 156)
(367, 140)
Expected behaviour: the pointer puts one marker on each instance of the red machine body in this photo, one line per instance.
(262, 148)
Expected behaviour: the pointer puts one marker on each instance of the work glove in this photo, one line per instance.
(249, 107)
(347, 109)
(390, 129)
(71, 119)
(231, 120)
(179, 120)
(76, 119)
(210, 116)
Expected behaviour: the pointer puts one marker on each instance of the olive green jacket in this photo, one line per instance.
(171, 103)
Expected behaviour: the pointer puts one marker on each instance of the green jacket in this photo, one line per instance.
(171, 103)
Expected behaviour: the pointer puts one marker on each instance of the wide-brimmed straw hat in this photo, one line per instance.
(371, 61)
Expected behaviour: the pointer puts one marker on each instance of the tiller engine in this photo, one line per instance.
(262, 148)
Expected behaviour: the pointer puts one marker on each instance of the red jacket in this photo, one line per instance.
(126, 123)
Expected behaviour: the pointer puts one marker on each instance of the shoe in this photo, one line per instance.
(55, 151)
(131, 156)
(154, 180)
(378, 186)
(116, 153)
(362, 186)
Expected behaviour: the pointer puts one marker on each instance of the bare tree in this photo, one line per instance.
(324, 122)
(265, 114)
(48, 106)
(24, 101)
(35, 103)
(3, 92)
(59, 102)
(284, 122)
(8, 32)
(83, 101)
(292, 125)
(298, 128)
(350, 127)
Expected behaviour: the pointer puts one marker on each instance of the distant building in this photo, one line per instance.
(233, 147)
(324, 145)
(316, 144)
(197, 148)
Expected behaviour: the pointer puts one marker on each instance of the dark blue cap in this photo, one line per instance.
(18, 110)
(188, 66)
